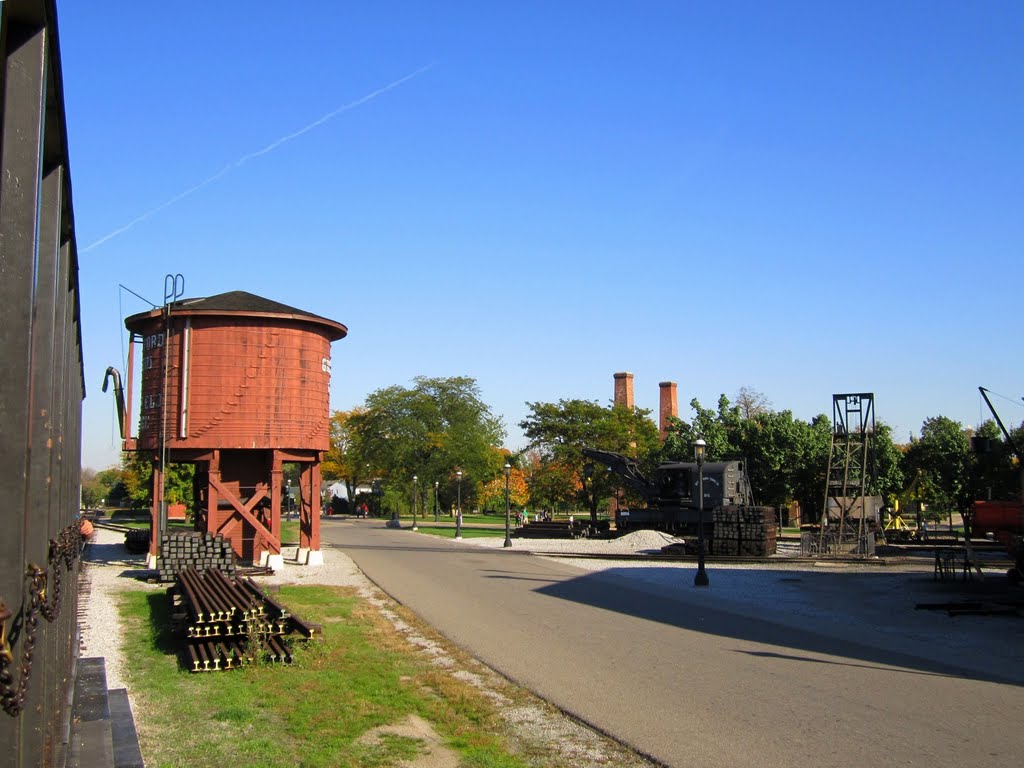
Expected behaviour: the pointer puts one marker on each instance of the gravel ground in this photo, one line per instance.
(109, 569)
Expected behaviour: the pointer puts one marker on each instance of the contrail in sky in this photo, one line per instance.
(246, 158)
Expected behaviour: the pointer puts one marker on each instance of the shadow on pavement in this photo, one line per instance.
(817, 614)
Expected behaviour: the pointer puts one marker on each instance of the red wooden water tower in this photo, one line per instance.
(237, 385)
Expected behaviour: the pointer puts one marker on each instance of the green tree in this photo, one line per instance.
(431, 430)
(343, 460)
(91, 490)
(811, 467)
(786, 458)
(943, 456)
(890, 478)
(106, 486)
(774, 444)
(678, 443)
(719, 429)
(137, 476)
(997, 469)
(559, 431)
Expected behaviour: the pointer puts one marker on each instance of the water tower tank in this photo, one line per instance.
(238, 385)
(241, 372)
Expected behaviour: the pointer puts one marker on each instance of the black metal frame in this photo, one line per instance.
(851, 464)
(42, 388)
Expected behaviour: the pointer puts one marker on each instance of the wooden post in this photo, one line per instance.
(212, 497)
(305, 510)
(314, 543)
(274, 559)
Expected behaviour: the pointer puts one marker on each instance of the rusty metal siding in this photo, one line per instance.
(40, 392)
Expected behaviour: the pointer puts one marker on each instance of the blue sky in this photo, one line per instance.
(801, 198)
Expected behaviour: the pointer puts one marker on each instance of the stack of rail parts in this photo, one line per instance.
(189, 549)
(231, 622)
(136, 540)
(744, 531)
(562, 529)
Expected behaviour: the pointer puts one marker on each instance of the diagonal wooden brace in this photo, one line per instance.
(245, 510)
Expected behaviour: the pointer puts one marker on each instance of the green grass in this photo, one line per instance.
(289, 531)
(310, 713)
(172, 525)
(467, 533)
(466, 519)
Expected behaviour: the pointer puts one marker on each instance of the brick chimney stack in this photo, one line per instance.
(669, 406)
(624, 389)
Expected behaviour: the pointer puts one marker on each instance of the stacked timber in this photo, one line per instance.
(744, 531)
(230, 622)
(190, 549)
(726, 538)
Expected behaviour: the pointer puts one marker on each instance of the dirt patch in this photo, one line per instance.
(433, 752)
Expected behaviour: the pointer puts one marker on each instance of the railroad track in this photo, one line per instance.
(112, 526)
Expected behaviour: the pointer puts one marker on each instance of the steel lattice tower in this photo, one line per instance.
(851, 470)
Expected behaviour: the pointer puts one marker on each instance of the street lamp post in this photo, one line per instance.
(458, 507)
(701, 579)
(588, 474)
(435, 500)
(508, 536)
(415, 489)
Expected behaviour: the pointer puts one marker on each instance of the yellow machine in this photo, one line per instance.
(895, 520)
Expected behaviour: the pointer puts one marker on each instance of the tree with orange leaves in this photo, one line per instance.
(492, 492)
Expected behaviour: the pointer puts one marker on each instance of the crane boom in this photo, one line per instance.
(628, 469)
(1006, 433)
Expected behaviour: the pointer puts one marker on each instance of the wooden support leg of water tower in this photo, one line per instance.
(309, 517)
(213, 521)
(316, 556)
(274, 559)
(305, 512)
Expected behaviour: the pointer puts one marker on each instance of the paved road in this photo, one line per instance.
(686, 681)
